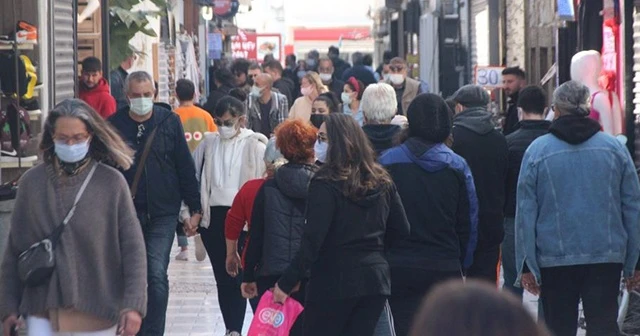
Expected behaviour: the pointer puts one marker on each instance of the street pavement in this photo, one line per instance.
(193, 302)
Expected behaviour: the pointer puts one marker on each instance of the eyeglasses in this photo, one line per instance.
(225, 123)
(76, 139)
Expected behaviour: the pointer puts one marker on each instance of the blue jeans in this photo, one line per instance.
(509, 257)
(158, 237)
(385, 323)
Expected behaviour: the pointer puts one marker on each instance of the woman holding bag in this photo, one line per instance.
(353, 214)
(96, 276)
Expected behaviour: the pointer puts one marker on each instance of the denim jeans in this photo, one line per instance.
(385, 323)
(158, 237)
(509, 257)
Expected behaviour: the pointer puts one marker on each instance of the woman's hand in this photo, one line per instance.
(130, 323)
(529, 283)
(279, 296)
(249, 290)
(10, 324)
(233, 264)
(633, 282)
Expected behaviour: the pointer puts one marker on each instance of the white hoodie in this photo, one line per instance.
(225, 165)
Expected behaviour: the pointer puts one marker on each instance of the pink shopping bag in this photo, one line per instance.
(273, 319)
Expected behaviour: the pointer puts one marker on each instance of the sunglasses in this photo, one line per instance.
(225, 123)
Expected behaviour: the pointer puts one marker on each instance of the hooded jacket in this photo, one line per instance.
(223, 166)
(438, 193)
(381, 136)
(485, 150)
(343, 242)
(277, 221)
(578, 200)
(99, 98)
(286, 87)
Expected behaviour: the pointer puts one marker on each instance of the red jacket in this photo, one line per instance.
(241, 209)
(99, 98)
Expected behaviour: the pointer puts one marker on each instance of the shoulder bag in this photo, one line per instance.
(36, 264)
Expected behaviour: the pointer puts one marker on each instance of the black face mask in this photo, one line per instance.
(317, 120)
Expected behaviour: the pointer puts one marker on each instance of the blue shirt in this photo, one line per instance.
(359, 117)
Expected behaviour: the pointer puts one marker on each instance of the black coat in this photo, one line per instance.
(511, 117)
(277, 221)
(517, 143)
(339, 66)
(344, 241)
(381, 136)
(214, 97)
(286, 87)
(438, 194)
(485, 150)
(337, 87)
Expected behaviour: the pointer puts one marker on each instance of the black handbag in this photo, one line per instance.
(36, 264)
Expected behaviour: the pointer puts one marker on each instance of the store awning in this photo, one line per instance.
(331, 34)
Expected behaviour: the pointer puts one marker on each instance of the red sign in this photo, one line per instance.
(221, 7)
(254, 46)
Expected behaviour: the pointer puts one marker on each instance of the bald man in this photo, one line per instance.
(266, 108)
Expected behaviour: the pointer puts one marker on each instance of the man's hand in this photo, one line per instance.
(529, 283)
(10, 324)
(249, 290)
(233, 264)
(130, 323)
(279, 296)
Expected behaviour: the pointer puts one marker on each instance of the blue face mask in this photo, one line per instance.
(301, 74)
(311, 62)
(321, 148)
(71, 153)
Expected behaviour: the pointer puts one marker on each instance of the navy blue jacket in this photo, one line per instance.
(170, 174)
(361, 73)
(439, 198)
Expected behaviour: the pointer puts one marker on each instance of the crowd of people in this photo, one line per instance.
(352, 190)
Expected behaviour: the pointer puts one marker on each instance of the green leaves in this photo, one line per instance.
(125, 23)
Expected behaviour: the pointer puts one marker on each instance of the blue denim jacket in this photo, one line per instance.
(577, 205)
(359, 117)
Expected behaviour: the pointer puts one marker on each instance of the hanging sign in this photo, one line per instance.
(225, 9)
(488, 76)
(254, 46)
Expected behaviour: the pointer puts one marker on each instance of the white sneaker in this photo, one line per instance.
(201, 252)
(183, 256)
(233, 333)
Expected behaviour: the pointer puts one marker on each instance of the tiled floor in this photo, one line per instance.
(193, 302)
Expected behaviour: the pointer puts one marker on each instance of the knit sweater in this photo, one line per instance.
(100, 257)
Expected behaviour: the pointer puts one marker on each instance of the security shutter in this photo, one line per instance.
(636, 80)
(64, 63)
(477, 7)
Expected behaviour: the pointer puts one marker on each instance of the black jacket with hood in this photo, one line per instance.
(277, 221)
(286, 87)
(344, 242)
(381, 136)
(485, 150)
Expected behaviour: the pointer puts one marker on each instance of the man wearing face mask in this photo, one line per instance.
(266, 109)
(406, 88)
(312, 60)
(160, 184)
(360, 71)
(326, 71)
(283, 84)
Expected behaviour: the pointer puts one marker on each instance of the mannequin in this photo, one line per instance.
(586, 67)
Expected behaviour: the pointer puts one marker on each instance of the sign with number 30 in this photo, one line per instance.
(488, 76)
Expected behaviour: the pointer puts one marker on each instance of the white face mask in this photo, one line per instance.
(227, 132)
(396, 79)
(386, 77)
(325, 77)
(346, 98)
(321, 148)
(256, 91)
(141, 106)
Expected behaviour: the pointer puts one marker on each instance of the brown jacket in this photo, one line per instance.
(411, 90)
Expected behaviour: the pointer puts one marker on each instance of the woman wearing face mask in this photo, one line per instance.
(99, 279)
(353, 90)
(353, 213)
(224, 162)
(325, 104)
(310, 87)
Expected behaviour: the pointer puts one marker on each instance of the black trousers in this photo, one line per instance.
(232, 305)
(598, 285)
(409, 286)
(267, 282)
(485, 265)
(347, 317)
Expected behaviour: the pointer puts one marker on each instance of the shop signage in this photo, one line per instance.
(254, 46)
(488, 76)
(225, 9)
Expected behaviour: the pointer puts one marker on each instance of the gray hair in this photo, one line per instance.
(106, 144)
(572, 98)
(379, 103)
(138, 77)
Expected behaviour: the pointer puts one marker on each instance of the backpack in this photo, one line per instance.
(8, 74)
(15, 130)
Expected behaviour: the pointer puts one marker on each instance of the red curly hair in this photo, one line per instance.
(295, 140)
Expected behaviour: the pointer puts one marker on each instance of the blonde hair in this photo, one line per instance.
(315, 80)
(106, 144)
